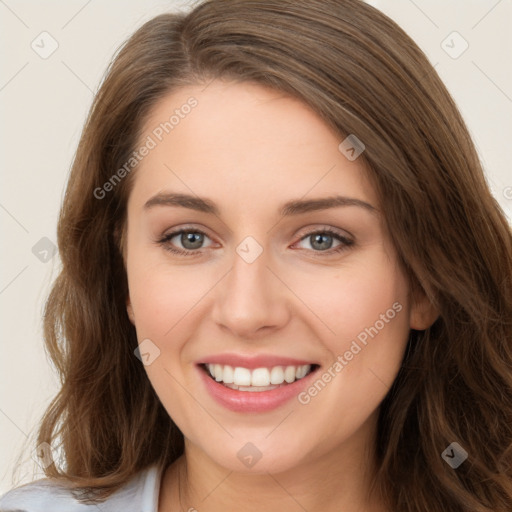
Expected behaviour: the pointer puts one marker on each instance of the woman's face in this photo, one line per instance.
(288, 269)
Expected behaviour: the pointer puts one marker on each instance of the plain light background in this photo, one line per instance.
(43, 105)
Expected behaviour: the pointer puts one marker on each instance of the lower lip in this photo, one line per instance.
(253, 401)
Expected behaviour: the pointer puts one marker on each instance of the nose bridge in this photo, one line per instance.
(251, 296)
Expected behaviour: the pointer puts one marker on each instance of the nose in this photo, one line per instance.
(251, 300)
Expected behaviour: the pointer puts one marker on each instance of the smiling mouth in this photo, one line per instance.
(257, 379)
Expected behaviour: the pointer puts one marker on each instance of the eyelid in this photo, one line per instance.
(322, 228)
(185, 227)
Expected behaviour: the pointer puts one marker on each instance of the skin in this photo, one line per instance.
(249, 150)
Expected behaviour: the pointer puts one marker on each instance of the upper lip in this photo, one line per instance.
(252, 362)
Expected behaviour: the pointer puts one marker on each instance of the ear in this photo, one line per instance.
(129, 310)
(423, 313)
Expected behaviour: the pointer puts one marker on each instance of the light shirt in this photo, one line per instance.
(140, 494)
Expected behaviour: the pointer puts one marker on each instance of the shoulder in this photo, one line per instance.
(38, 496)
(140, 494)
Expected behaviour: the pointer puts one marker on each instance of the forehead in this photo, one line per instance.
(244, 142)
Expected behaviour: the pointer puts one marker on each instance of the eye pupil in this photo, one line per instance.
(195, 238)
(321, 240)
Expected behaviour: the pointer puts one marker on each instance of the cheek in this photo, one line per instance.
(161, 293)
(162, 298)
(364, 310)
(355, 297)
(367, 309)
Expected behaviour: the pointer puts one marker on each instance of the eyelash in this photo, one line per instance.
(345, 242)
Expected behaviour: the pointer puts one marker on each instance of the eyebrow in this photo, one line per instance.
(294, 207)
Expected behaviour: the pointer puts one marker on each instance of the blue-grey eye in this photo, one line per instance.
(192, 240)
(321, 241)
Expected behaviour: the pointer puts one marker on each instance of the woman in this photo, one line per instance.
(284, 277)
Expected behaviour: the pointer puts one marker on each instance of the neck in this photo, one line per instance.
(338, 479)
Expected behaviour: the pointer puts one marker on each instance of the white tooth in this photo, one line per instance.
(302, 371)
(218, 372)
(289, 374)
(277, 375)
(227, 375)
(242, 376)
(260, 377)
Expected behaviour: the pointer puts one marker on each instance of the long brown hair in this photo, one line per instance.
(363, 75)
